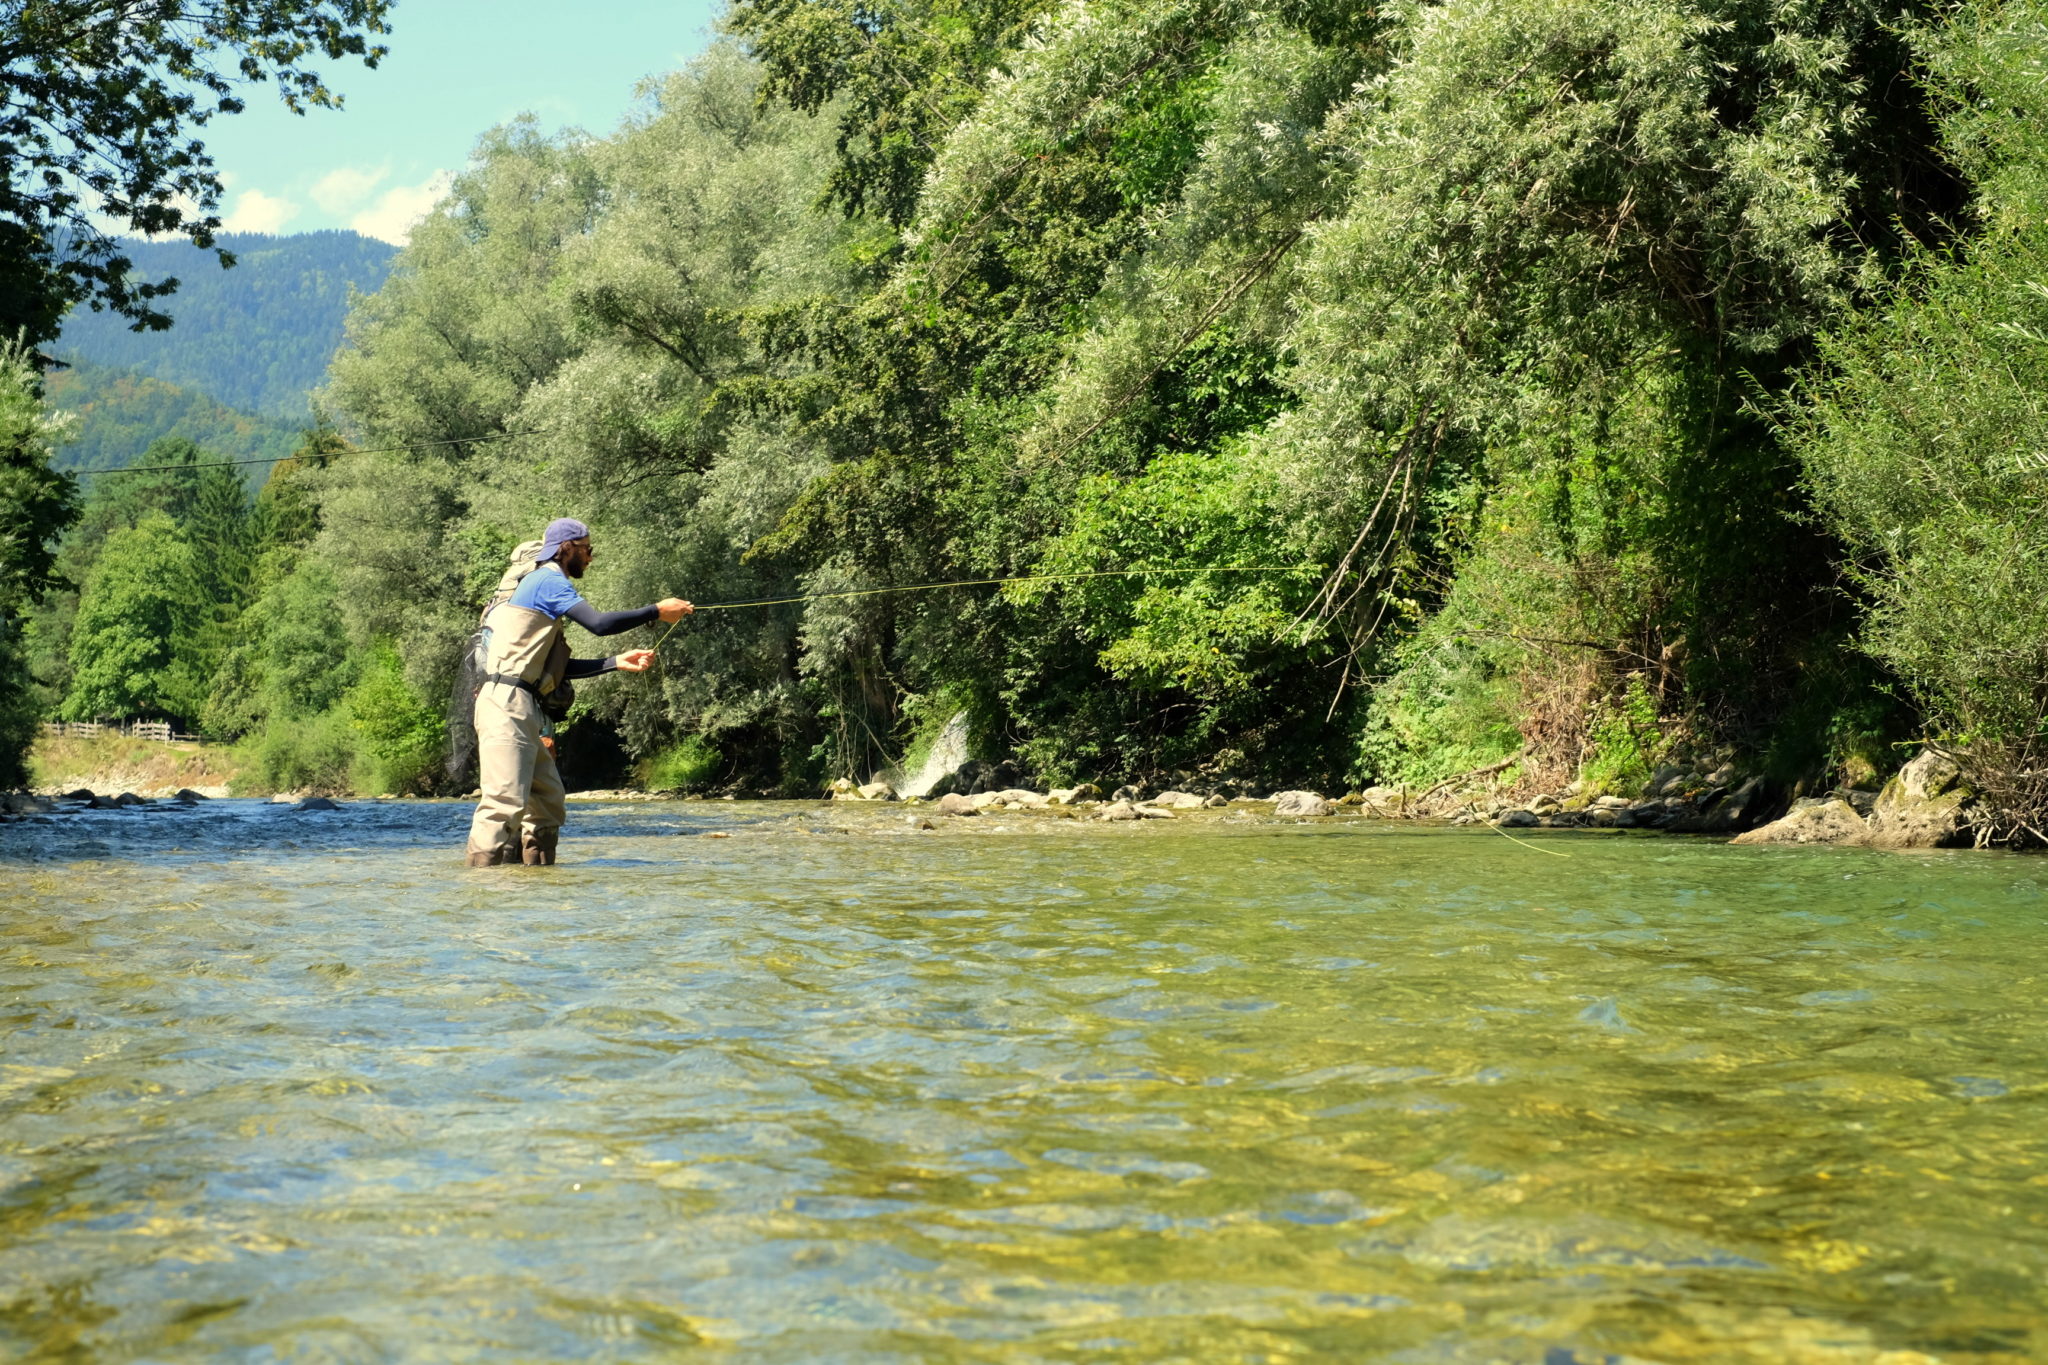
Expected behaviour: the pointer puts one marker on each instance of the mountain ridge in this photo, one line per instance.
(255, 337)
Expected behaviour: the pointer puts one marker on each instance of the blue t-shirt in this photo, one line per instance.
(547, 589)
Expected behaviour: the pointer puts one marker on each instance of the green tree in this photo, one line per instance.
(36, 505)
(100, 98)
(133, 644)
(1924, 438)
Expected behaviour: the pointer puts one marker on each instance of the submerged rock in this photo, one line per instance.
(188, 796)
(1300, 803)
(317, 803)
(130, 799)
(1151, 812)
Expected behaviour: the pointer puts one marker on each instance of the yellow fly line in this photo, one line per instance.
(1524, 842)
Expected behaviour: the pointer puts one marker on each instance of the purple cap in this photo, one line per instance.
(560, 532)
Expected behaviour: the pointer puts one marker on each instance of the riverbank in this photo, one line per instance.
(111, 764)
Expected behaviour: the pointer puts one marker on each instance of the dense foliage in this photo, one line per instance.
(1925, 438)
(1524, 390)
(256, 338)
(37, 503)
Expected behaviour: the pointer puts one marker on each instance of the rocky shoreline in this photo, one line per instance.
(1925, 805)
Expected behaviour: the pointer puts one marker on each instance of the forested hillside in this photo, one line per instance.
(256, 337)
(1587, 383)
(118, 413)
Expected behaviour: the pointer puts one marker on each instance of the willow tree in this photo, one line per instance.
(575, 331)
(1580, 236)
(1925, 439)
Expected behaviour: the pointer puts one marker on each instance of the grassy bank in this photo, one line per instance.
(112, 763)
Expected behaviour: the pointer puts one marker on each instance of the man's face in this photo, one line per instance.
(574, 556)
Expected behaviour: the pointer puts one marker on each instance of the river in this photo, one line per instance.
(280, 1084)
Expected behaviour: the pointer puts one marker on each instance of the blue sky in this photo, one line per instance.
(456, 68)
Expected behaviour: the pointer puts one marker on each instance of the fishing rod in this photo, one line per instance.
(986, 582)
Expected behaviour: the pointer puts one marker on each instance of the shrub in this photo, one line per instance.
(315, 754)
(400, 736)
(685, 765)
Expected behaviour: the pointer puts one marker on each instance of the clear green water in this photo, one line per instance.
(280, 1085)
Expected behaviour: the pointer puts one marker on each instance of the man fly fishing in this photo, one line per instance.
(524, 667)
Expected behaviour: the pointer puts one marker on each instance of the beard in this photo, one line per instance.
(575, 566)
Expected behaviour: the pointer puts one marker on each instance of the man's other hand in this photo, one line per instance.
(635, 660)
(673, 609)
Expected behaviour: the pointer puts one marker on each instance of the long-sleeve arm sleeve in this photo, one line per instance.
(589, 668)
(609, 622)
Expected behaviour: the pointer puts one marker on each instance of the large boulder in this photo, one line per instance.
(1118, 810)
(876, 791)
(1300, 803)
(949, 752)
(1074, 796)
(1812, 822)
(1925, 806)
(953, 803)
(976, 776)
(1176, 801)
(1730, 813)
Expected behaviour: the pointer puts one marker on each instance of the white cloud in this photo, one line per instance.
(340, 190)
(399, 209)
(255, 211)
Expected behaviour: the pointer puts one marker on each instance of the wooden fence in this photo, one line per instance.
(158, 730)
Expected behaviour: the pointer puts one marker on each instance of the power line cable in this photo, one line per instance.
(314, 455)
